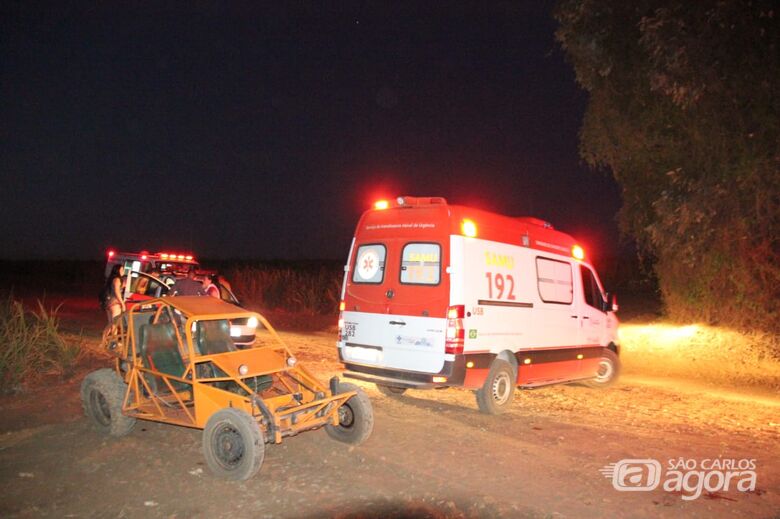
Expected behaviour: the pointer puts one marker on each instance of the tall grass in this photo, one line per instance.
(299, 290)
(31, 345)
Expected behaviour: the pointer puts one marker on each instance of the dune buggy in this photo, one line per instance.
(176, 363)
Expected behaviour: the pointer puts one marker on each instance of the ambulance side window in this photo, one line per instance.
(369, 264)
(554, 281)
(421, 264)
(590, 289)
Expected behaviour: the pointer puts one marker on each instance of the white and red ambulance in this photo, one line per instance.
(438, 295)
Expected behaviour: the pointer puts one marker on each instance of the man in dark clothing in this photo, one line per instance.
(187, 286)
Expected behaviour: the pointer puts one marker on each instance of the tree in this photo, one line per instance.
(684, 110)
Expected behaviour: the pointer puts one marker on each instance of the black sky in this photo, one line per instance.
(256, 131)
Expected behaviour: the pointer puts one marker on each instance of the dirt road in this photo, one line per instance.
(432, 454)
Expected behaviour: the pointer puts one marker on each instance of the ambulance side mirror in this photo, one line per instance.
(611, 304)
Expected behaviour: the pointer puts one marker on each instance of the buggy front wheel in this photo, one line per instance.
(356, 418)
(233, 444)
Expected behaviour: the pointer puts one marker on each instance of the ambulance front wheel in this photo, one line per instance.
(607, 372)
(496, 394)
(391, 390)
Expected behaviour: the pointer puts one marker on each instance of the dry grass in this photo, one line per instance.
(32, 346)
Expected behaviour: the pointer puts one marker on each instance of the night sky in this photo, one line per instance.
(263, 132)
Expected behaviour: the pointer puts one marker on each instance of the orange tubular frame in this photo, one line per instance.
(294, 402)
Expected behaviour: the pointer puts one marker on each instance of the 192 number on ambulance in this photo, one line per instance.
(504, 285)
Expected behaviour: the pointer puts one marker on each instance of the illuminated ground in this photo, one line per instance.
(432, 455)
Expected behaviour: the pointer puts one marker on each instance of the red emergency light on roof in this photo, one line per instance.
(111, 253)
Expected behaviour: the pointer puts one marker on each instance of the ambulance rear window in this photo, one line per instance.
(421, 264)
(369, 264)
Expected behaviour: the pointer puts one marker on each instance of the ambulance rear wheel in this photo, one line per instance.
(496, 394)
(391, 390)
(607, 372)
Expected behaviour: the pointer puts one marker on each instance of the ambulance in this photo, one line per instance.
(176, 264)
(438, 295)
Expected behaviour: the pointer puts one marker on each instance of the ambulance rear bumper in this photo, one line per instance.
(453, 371)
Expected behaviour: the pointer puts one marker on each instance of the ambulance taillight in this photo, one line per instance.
(342, 306)
(111, 254)
(456, 333)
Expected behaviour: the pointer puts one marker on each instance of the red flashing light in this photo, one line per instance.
(381, 204)
(578, 252)
(143, 257)
(111, 253)
(188, 258)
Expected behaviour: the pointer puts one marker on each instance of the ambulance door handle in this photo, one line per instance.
(399, 323)
(574, 316)
(585, 317)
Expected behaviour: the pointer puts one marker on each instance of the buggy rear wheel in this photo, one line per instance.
(233, 444)
(356, 418)
(102, 395)
(496, 394)
(391, 390)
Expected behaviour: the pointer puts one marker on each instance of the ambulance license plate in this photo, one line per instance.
(364, 354)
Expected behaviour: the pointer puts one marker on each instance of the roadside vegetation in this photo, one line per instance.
(31, 345)
(683, 111)
(311, 290)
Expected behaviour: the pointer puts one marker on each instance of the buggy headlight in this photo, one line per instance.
(291, 361)
(243, 369)
(252, 322)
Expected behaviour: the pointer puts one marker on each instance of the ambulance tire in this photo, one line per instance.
(356, 417)
(609, 369)
(391, 390)
(496, 394)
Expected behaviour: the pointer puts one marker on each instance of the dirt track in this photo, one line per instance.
(431, 454)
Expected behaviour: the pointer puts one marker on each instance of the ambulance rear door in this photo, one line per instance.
(396, 299)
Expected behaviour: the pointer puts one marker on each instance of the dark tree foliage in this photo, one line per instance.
(684, 110)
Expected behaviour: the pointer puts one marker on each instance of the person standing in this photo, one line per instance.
(111, 297)
(210, 287)
(187, 286)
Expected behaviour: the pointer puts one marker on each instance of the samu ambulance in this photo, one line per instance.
(439, 295)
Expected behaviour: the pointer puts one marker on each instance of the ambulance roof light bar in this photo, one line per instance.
(409, 201)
